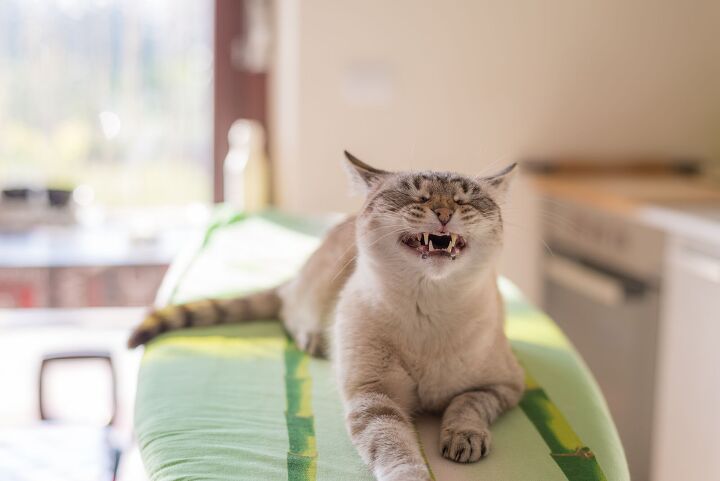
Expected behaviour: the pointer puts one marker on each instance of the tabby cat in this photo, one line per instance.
(404, 299)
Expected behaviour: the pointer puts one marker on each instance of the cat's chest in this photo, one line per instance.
(443, 365)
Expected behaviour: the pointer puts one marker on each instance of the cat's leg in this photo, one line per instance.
(465, 431)
(309, 299)
(383, 433)
(312, 341)
(379, 399)
(303, 318)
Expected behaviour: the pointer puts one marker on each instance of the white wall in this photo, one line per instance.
(469, 84)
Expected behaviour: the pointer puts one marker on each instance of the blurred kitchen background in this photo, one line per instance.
(116, 141)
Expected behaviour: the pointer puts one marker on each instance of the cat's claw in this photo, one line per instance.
(466, 446)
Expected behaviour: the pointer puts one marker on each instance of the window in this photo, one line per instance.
(113, 95)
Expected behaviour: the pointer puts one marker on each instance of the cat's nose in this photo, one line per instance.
(443, 214)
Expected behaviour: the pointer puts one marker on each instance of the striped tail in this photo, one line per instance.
(207, 312)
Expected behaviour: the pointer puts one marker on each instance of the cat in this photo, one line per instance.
(404, 299)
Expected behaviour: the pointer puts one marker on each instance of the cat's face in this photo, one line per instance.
(435, 222)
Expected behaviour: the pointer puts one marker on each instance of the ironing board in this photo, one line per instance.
(241, 402)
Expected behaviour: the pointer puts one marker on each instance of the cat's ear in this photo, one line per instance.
(362, 175)
(497, 184)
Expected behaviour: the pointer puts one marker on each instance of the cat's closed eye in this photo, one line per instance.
(423, 198)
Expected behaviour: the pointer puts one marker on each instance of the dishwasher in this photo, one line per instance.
(601, 282)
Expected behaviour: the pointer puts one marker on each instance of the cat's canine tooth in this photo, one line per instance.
(431, 247)
(449, 249)
(453, 238)
(426, 236)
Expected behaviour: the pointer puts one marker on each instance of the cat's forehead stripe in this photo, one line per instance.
(439, 186)
(444, 179)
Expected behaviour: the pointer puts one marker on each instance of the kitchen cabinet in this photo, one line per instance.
(687, 418)
(655, 354)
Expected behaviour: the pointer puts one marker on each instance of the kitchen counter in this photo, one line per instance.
(106, 257)
(54, 246)
(698, 222)
(633, 277)
(679, 205)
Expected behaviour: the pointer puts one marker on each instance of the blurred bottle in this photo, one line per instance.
(246, 173)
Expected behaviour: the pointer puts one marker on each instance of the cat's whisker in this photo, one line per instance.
(524, 230)
(353, 243)
(356, 255)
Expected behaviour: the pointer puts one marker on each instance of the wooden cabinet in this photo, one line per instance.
(87, 266)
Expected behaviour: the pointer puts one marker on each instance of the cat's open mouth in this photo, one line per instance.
(440, 244)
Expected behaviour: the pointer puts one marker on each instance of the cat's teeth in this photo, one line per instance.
(453, 238)
(431, 246)
(449, 249)
(426, 236)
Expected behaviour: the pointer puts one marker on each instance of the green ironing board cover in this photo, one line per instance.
(241, 402)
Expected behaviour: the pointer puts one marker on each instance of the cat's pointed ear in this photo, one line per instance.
(497, 184)
(363, 175)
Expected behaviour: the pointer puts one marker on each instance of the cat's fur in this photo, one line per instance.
(407, 333)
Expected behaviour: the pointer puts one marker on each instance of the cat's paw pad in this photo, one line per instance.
(465, 446)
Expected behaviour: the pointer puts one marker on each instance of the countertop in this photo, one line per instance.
(687, 206)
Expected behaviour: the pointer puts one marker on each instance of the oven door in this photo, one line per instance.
(612, 321)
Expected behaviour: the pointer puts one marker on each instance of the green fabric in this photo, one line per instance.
(242, 403)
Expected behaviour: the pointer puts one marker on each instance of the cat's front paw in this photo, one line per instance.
(466, 445)
(404, 472)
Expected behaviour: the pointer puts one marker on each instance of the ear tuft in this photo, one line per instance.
(362, 174)
(499, 183)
